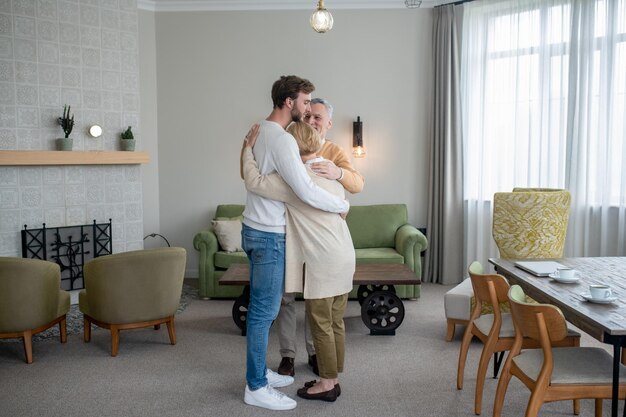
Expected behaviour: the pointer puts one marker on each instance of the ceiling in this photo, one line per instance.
(196, 5)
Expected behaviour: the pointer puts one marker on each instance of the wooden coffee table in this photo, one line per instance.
(382, 310)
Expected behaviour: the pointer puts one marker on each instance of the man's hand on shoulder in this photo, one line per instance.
(327, 169)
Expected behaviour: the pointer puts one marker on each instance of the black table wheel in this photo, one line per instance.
(382, 312)
(240, 310)
(365, 290)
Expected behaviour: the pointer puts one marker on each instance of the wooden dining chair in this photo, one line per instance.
(495, 330)
(553, 374)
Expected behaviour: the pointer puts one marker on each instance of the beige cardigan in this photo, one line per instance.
(318, 244)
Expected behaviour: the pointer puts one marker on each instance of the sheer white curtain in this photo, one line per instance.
(544, 103)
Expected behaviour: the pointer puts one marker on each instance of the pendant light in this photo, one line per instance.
(321, 19)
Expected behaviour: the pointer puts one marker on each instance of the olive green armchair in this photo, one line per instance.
(31, 300)
(131, 290)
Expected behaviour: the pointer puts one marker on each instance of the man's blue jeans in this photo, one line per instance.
(266, 253)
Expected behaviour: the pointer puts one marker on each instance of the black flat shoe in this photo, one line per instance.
(311, 383)
(328, 396)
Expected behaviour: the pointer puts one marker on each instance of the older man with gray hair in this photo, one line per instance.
(335, 166)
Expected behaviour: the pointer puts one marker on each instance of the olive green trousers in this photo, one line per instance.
(325, 316)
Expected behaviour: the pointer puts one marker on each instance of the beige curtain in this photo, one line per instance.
(444, 257)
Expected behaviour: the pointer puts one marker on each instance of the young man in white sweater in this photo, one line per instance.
(263, 235)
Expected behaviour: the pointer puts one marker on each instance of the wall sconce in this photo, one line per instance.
(358, 150)
(95, 131)
(321, 19)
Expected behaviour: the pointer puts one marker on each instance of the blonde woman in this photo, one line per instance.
(319, 259)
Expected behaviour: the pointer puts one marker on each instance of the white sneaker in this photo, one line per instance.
(276, 380)
(268, 397)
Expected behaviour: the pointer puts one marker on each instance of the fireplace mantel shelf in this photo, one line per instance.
(15, 158)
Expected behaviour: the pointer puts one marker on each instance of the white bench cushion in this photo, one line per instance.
(457, 301)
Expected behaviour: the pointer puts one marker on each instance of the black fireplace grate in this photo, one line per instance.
(68, 246)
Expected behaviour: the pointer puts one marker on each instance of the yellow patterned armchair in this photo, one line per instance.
(531, 222)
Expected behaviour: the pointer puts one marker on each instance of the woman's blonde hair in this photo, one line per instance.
(307, 138)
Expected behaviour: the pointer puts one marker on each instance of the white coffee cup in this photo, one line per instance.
(566, 273)
(599, 291)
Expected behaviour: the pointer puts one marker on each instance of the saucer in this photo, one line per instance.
(587, 297)
(564, 280)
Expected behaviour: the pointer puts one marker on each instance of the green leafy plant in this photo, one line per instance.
(67, 122)
(128, 134)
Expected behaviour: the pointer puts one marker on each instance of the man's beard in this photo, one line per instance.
(296, 116)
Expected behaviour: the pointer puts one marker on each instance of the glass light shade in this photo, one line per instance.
(321, 19)
(358, 152)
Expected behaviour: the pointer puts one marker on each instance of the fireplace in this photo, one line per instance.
(68, 246)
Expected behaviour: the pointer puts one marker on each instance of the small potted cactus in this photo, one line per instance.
(67, 123)
(127, 143)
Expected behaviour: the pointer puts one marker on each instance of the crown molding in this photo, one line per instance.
(241, 5)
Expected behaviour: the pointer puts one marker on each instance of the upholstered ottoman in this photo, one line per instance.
(458, 306)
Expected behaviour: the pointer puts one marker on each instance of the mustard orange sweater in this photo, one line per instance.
(352, 181)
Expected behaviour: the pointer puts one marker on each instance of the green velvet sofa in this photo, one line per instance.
(380, 234)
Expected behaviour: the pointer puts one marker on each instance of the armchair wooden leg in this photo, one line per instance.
(115, 339)
(171, 330)
(63, 329)
(157, 326)
(576, 407)
(27, 338)
(598, 408)
(450, 333)
(87, 330)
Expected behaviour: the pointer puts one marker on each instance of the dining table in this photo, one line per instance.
(605, 322)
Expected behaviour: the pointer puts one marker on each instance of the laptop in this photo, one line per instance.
(539, 268)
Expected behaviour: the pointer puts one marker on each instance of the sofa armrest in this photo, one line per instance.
(205, 242)
(410, 242)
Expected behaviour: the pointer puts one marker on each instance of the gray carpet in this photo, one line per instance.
(410, 374)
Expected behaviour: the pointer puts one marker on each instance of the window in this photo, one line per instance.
(544, 103)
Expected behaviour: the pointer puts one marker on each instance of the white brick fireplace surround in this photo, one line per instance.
(84, 54)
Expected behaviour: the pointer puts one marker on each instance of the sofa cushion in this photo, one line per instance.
(375, 226)
(378, 256)
(226, 259)
(228, 232)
